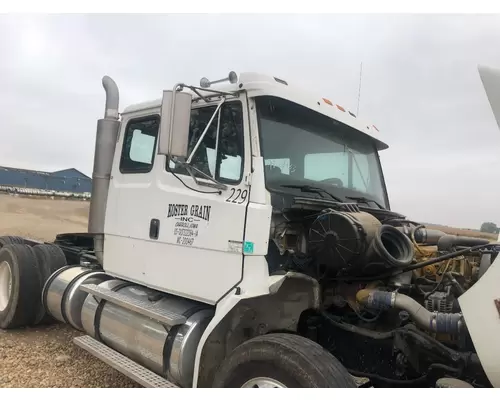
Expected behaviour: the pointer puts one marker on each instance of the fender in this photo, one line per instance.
(239, 317)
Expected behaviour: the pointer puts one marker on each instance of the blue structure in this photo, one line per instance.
(66, 180)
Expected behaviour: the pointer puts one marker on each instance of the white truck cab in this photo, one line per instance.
(258, 134)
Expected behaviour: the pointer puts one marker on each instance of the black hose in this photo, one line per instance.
(360, 331)
(391, 246)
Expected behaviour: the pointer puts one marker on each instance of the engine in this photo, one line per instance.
(342, 242)
(390, 288)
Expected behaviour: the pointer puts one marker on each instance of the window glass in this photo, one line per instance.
(220, 154)
(338, 166)
(139, 145)
(303, 147)
(281, 165)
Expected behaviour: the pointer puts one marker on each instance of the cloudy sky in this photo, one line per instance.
(420, 87)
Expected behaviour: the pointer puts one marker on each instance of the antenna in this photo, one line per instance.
(359, 89)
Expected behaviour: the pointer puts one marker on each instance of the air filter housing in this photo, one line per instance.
(352, 242)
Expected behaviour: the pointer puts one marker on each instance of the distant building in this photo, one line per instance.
(66, 180)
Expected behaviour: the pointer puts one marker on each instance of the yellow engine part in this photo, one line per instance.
(466, 266)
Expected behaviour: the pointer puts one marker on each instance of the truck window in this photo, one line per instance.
(338, 166)
(321, 152)
(227, 165)
(139, 145)
(281, 164)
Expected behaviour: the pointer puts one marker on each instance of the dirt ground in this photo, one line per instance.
(46, 356)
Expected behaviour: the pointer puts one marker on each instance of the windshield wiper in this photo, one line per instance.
(361, 199)
(312, 189)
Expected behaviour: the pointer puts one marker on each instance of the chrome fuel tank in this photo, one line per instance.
(167, 350)
(62, 297)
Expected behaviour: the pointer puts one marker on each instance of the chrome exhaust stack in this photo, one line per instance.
(106, 137)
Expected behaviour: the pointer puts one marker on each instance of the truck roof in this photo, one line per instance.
(256, 84)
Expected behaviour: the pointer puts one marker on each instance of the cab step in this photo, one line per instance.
(141, 307)
(126, 366)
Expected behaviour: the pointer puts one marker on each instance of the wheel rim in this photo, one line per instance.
(263, 383)
(5, 284)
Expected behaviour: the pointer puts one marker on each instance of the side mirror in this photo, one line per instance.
(174, 127)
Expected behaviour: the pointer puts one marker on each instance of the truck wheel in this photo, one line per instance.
(10, 240)
(282, 361)
(20, 294)
(49, 259)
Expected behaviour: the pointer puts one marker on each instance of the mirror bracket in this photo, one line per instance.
(200, 140)
(190, 169)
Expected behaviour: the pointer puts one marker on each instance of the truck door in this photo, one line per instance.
(169, 232)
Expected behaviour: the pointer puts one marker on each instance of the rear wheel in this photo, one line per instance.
(5, 284)
(282, 361)
(20, 293)
(49, 259)
(4, 240)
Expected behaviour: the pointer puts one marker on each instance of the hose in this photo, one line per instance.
(358, 330)
(412, 237)
(450, 323)
(392, 247)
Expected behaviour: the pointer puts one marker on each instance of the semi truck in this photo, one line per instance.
(240, 235)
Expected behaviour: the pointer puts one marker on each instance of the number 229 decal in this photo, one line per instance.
(237, 196)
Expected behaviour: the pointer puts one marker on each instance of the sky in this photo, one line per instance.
(420, 87)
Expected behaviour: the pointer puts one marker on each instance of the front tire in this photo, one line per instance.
(282, 360)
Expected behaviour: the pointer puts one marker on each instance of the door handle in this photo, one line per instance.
(154, 228)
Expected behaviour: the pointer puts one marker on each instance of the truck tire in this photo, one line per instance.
(20, 293)
(49, 258)
(282, 360)
(10, 240)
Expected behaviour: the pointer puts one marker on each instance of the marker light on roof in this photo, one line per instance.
(376, 128)
(340, 108)
(328, 102)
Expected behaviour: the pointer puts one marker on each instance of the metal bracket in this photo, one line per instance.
(215, 185)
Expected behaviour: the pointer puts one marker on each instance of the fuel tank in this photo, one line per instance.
(166, 350)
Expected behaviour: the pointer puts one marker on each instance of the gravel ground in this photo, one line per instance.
(45, 356)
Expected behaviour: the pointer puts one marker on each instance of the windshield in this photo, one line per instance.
(303, 147)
